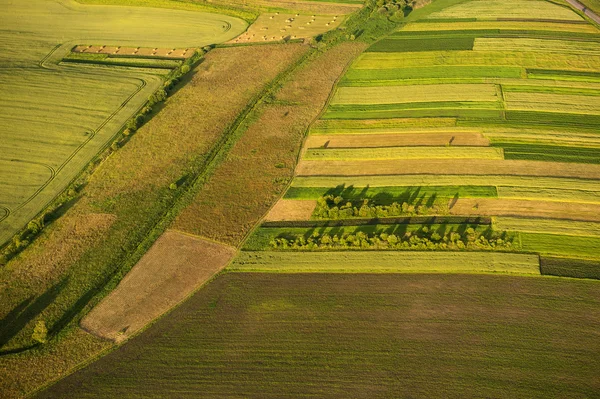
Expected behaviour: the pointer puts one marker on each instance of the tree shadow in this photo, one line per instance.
(26, 311)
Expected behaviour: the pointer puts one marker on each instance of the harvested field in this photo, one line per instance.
(147, 52)
(526, 208)
(393, 140)
(261, 161)
(273, 335)
(276, 27)
(385, 262)
(169, 272)
(448, 167)
(286, 209)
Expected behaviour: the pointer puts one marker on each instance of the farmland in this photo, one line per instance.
(276, 335)
(470, 109)
(404, 205)
(84, 254)
(60, 115)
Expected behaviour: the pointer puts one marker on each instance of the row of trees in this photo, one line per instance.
(423, 239)
(336, 207)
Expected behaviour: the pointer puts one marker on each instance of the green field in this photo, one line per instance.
(56, 116)
(273, 335)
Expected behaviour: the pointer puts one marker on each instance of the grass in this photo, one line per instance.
(561, 245)
(385, 262)
(61, 116)
(390, 193)
(276, 335)
(550, 153)
(261, 163)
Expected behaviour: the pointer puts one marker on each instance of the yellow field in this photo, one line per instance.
(518, 9)
(531, 25)
(537, 46)
(567, 61)
(552, 102)
(415, 93)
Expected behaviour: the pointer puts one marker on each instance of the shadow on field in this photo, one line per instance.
(26, 311)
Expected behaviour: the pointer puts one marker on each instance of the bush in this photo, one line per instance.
(40, 332)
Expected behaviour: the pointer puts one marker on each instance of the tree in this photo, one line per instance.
(40, 332)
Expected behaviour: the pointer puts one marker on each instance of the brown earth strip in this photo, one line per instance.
(448, 167)
(526, 208)
(256, 172)
(396, 140)
(169, 272)
(286, 209)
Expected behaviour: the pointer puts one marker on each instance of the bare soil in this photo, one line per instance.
(175, 266)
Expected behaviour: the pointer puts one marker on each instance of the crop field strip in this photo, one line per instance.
(536, 100)
(61, 115)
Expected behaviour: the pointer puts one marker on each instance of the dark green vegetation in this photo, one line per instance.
(565, 267)
(361, 336)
